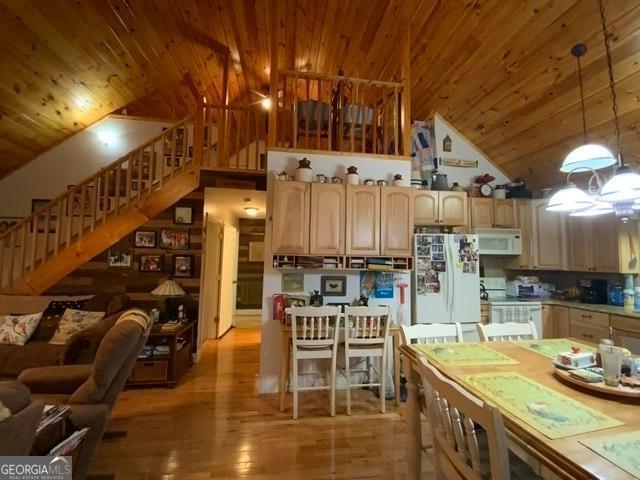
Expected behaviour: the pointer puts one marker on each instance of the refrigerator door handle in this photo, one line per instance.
(451, 282)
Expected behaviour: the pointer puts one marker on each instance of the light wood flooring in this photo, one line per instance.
(213, 425)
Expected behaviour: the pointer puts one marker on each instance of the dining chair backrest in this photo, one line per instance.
(496, 332)
(431, 333)
(314, 326)
(454, 414)
(366, 325)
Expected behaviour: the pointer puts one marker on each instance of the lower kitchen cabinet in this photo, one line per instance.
(555, 322)
(588, 325)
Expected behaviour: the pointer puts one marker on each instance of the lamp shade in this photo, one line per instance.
(588, 157)
(598, 208)
(569, 199)
(624, 186)
(168, 288)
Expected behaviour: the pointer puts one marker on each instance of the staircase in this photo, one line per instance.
(82, 222)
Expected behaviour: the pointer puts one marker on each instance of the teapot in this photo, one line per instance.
(439, 181)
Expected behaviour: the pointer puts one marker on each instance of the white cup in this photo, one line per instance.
(611, 364)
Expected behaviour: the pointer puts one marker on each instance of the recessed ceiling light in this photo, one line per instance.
(266, 103)
(251, 211)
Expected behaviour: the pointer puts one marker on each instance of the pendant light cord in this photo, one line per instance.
(607, 46)
(584, 116)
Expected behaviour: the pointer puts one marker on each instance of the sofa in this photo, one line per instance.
(38, 352)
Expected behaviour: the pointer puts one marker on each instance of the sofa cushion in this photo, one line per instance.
(108, 303)
(17, 329)
(82, 347)
(14, 395)
(45, 329)
(63, 379)
(57, 307)
(72, 322)
(15, 359)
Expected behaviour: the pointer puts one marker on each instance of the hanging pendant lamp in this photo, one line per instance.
(589, 156)
(569, 199)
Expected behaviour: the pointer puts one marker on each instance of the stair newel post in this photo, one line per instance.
(69, 218)
(198, 136)
(47, 224)
(23, 249)
(82, 208)
(12, 241)
(185, 149)
(247, 143)
(294, 101)
(363, 119)
(173, 152)
(384, 121)
(256, 123)
(116, 194)
(163, 142)
(152, 169)
(139, 176)
(238, 117)
(396, 114)
(330, 124)
(130, 165)
(105, 195)
(318, 104)
(307, 106)
(58, 228)
(34, 221)
(93, 203)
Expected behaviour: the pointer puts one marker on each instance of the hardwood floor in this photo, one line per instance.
(213, 425)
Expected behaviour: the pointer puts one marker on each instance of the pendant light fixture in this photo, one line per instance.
(589, 156)
(624, 187)
(569, 199)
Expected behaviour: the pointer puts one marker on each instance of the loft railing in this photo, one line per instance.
(337, 113)
(234, 138)
(90, 204)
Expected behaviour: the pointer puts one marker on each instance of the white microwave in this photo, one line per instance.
(499, 241)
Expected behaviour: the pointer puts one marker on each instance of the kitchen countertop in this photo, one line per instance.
(586, 306)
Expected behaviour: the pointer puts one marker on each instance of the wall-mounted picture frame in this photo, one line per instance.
(38, 203)
(167, 162)
(184, 266)
(333, 285)
(151, 263)
(183, 215)
(145, 239)
(119, 258)
(292, 282)
(256, 251)
(174, 238)
(74, 207)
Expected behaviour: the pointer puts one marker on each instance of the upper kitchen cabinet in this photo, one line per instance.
(439, 208)
(582, 249)
(327, 219)
(290, 217)
(524, 261)
(549, 238)
(396, 220)
(481, 212)
(493, 213)
(363, 220)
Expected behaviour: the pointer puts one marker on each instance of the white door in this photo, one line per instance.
(464, 278)
(228, 278)
(210, 279)
(430, 285)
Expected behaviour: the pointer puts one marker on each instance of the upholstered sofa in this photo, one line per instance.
(38, 352)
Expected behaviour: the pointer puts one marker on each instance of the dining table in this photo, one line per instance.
(567, 457)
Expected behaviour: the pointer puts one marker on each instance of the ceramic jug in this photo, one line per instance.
(439, 181)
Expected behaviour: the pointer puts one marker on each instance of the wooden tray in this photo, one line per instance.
(618, 391)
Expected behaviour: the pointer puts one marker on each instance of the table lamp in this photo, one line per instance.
(169, 290)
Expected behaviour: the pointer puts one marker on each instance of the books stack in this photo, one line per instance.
(51, 415)
(356, 262)
(330, 262)
(382, 264)
(160, 350)
(309, 262)
(146, 352)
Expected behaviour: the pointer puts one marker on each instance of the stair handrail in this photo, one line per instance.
(112, 166)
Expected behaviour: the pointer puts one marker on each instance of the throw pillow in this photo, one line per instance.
(17, 329)
(58, 307)
(4, 412)
(72, 322)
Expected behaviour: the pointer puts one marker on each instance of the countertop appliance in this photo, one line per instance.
(594, 290)
(499, 241)
(519, 288)
(503, 308)
(446, 280)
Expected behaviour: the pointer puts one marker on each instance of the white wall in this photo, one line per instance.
(330, 165)
(461, 148)
(70, 162)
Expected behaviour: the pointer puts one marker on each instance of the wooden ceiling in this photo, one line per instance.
(499, 70)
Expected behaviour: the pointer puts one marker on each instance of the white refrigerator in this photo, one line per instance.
(446, 282)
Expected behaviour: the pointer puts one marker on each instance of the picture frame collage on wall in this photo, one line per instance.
(173, 148)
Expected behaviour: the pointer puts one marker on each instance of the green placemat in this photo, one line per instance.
(459, 354)
(622, 450)
(552, 346)
(549, 412)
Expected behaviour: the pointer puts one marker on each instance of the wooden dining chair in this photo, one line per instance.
(314, 335)
(366, 332)
(469, 438)
(431, 333)
(497, 332)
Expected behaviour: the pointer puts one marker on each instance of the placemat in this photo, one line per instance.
(622, 450)
(550, 347)
(459, 354)
(549, 412)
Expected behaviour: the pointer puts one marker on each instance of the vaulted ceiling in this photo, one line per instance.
(498, 70)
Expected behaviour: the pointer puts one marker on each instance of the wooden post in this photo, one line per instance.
(198, 137)
(406, 93)
(273, 84)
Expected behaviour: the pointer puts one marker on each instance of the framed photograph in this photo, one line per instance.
(299, 300)
(292, 282)
(74, 208)
(151, 263)
(184, 265)
(183, 215)
(256, 251)
(333, 286)
(145, 239)
(38, 203)
(174, 238)
(167, 162)
(120, 258)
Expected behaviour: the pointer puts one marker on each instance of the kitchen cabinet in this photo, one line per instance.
(481, 212)
(588, 325)
(582, 251)
(548, 330)
(504, 213)
(493, 213)
(524, 261)
(440, 208)
(327, 219)
(290, 217)
(626, 332)
(396, 220)
(549, 238)
(363, 220)
(561, 324)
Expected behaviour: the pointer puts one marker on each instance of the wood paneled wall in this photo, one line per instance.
(96, 276)
(249, 273)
